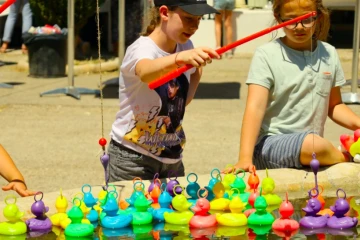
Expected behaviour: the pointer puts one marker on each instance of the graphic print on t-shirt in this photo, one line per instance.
(160, 130)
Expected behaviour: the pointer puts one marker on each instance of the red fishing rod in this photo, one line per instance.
(177, 72)
(6, 5)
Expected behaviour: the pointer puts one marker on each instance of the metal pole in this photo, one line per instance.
(355, 62)
(70, 43)
(353, 96)
(121, 24)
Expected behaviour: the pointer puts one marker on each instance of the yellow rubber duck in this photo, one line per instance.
(236, 218)
(268, 186)
(61, 205)
(219, 203)
(182, 215)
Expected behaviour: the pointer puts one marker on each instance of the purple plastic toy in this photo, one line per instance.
(41, 222)
(339, 220)
(172, 183)
(154, 182)
(311, 219)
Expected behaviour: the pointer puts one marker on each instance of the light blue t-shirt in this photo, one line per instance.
(299, 83)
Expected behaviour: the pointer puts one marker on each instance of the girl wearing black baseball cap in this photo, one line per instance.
(147, 135)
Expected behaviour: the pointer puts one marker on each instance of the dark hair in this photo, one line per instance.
(154, 19)
(323, 18)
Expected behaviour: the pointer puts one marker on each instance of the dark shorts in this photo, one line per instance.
(126, 164)
(279, 151)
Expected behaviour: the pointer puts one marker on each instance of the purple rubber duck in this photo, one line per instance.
(311, 219)
(41, 222)
(339, 220)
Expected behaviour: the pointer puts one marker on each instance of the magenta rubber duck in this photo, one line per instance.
(284, 223)
(311, 219)
(41, 222)
(202, 218)
(339, 220)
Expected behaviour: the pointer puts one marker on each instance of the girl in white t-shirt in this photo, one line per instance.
(147, 135)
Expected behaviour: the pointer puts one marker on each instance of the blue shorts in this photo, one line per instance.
(224, 4)
(279, 151)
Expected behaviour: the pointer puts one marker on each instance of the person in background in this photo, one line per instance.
(11, 173)
(225, 7)
(11, 20)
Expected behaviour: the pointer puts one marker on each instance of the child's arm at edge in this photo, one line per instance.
(340, 113)
(11, 173)
(254, 113)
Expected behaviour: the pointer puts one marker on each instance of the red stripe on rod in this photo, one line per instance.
(177, 72)
(6, 5)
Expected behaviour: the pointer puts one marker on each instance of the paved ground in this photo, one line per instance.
(53, 139)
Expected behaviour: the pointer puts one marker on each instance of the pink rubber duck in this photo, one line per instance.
(285, 226)
(202, 218)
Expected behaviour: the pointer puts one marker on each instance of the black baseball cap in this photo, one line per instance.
(194, 7)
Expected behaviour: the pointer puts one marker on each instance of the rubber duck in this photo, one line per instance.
(14, 225)
(339, 220)
(311, 219)
(41, 222)
(202, 218)
(178, 228)
(323, 210)
(142, 215)
(219, 203)
(172, 183)
(109, 217)
(192, 188)
(116, 233)
(240, 185)
(251, 201)
(229, 178)
(182, 215)
(76, 228)
(227, 231)
(61, 205)
(165, 201)
(202, 233)
(284, 225)
(260, 216)
(258, 232)
(268, 186)
(355, 204)
(253, 180)
(154, 182)
(155, 193)
(90, 202)
(213, 180)
(236, 218)
(138, 191)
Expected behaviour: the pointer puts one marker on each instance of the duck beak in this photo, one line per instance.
(196, 209)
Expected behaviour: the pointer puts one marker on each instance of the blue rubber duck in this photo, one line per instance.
(109, 217)
(165, 206)
(90, 202)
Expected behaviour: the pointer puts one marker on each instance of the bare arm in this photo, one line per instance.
(254, 113)
(340, 113)
(11, 173)
(194, 83)
(151, 69)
